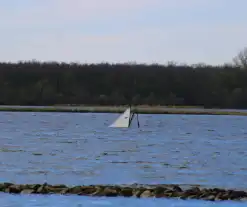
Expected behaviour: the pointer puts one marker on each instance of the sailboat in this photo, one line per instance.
(125, 119)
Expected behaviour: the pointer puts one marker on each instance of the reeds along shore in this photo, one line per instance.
(120, 109)
(138, 191)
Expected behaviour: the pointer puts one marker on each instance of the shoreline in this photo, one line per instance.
(119, 109)
(135, 190)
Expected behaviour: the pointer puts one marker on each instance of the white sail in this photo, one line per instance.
(123, 120)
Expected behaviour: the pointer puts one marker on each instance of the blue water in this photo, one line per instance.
(77, 201)
(73, 149)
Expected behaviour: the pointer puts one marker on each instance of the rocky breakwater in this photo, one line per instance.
(139, 191)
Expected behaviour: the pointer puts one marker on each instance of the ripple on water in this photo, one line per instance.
(79, 149)
(80, 201)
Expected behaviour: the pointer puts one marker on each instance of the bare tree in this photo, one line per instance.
(241, 59)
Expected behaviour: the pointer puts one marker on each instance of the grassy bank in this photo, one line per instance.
(119, 109)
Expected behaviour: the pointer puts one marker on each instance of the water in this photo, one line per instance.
(73, 148)
(76, 201)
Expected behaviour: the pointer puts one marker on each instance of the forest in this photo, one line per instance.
(50, 83)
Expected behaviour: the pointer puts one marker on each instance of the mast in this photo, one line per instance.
(132, 116)
(138, 124)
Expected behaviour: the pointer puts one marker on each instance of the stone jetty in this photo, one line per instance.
(135, 190)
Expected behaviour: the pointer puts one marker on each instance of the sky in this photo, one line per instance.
(117, 31)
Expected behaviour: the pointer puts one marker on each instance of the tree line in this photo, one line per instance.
(49, 83)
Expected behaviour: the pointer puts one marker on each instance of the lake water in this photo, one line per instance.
(76, 148)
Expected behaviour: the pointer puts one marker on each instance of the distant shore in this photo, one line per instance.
(119, 109)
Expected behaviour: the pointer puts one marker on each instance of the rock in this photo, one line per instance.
(60, 186)
(54, 190)
(138, 191)
(4, 186)
(42, 189)
(143, 191)
(75, 190)
(196, 196)
(6, 190)
(87, 190)
(27, 191)
(237, 194)
(159, 190)
(160, 195)
(168, 194)
(126, 192)
(225, 196)
(218, 190)
(243, 199)
(146, 194)
(176, 194)
(191, 193)
(64, 191)
(222, 196)
(177, 188)
(194, 190)
(32, 186)
(210, 198)
(218, 196)
(205, 190)
(99, 191)
(203, 195)
(14, 189)
(168, 191)
(110, 192)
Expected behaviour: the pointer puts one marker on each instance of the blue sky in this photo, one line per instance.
(145, 31)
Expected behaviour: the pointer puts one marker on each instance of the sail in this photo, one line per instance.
(123, 120)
